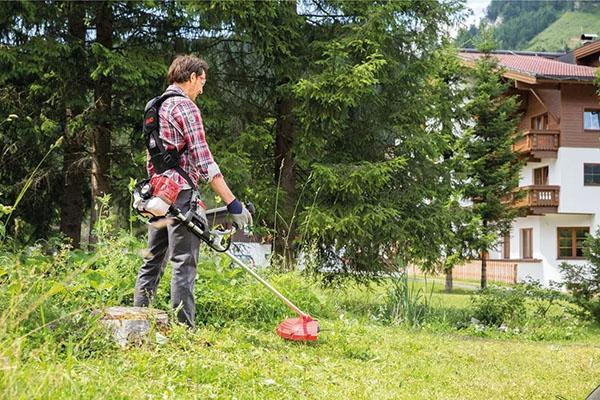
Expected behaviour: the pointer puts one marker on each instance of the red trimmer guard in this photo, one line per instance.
(301, 329)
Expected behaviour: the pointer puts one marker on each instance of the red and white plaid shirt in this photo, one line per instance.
(181, 126)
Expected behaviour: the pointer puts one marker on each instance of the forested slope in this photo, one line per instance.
(565, 32)
(536, 25)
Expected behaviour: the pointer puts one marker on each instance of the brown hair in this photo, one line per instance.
(182, 68)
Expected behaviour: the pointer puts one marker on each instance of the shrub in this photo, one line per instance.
(583, 281)
(543, 299)
(497, 305)
(530, 310)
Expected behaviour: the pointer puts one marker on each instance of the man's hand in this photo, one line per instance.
(240, 214)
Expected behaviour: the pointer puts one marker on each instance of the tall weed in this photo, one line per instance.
(48, 294)
(9, 210)
(406, 302)
(225, 294)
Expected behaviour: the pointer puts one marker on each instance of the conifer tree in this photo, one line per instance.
(491, 166)
(375, 134)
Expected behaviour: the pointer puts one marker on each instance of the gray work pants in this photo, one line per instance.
(183, 248)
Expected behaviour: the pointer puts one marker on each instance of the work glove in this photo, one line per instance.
(240, 214)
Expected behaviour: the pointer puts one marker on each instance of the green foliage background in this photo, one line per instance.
(338, 119)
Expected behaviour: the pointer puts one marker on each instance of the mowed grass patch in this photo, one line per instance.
(351, 360)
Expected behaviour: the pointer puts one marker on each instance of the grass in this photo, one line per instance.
(235, 353)
(354, 358)
(350, 361)
(566, 31)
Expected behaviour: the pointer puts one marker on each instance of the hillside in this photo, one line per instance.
(536, 25)
(565, 32)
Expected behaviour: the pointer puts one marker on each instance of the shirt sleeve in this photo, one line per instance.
(187, 115)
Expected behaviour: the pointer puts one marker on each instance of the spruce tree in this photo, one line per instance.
(491, 167)
(374, 120)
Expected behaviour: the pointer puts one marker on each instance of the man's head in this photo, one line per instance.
(189, 73)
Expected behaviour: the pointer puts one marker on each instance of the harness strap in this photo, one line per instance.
(161, 158)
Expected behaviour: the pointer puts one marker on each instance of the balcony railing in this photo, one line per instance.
(540, 198)
(538, 143)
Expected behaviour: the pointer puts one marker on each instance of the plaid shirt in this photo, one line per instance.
(181, 125)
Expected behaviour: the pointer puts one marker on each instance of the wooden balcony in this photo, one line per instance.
(539, 199)
(538, 144)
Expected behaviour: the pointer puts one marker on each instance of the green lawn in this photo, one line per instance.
(351, 360)
(356, 357)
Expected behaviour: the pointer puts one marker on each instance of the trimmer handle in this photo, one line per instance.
(249, 206)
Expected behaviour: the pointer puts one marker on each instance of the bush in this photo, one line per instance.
(527, 310)
(583, 281)
(496, 306)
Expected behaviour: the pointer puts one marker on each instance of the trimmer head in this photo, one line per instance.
(300, 329)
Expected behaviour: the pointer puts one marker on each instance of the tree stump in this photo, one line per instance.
(132, 324)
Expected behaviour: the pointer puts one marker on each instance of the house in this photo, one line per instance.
(561, 147)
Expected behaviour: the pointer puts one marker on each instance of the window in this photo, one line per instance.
(540, 176)
(591, 120)
(591, 174)
(570, 241)
(506, 246)
(540, 122)
(526, 243)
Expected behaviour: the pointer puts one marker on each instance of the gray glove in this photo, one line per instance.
(243, 219)
(240, 214)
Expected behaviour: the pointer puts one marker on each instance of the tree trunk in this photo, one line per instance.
(285, 133)
(286, 68)
(483, 269)
(484, 255)
(101, 134)
(71, 203)
(449, 282)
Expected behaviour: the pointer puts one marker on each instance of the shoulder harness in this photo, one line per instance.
(161, 158)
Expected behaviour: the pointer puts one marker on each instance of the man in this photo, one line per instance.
(181, 129)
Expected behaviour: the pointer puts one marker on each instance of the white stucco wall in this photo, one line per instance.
(544, 244)
(574, 196)
(527, 271)
(527, 172)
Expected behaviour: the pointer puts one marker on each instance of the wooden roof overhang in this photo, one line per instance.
(587, 50)
(542, 80)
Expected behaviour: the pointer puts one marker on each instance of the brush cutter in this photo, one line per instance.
(156, 198)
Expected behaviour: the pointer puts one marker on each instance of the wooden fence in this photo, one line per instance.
(497, 271)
